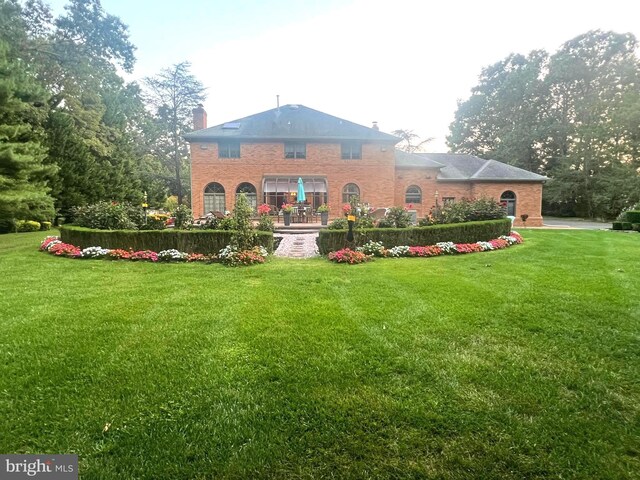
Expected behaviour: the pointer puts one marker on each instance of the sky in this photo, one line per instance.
(402, 63)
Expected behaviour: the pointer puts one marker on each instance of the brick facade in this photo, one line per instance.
(381, 183)
(381, 176)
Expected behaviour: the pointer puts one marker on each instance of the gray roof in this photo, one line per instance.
(405, 159)
(460, 167)
(291, 122)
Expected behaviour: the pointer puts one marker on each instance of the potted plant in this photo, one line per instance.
(323, 210)
(264, 209)
(287, 210)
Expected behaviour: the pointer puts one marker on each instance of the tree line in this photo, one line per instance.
(573, 116)
(72, 130)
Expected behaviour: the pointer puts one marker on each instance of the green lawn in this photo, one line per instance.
(521, 363)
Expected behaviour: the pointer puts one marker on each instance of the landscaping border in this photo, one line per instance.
(190, 241)
(468, 232)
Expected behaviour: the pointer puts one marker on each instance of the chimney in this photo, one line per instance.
(375, 126)
(199, 117)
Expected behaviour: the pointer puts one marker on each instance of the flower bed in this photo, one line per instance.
(227, 255)
(376, 249)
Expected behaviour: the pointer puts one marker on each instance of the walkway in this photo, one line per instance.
(297, 245)
(573, 222)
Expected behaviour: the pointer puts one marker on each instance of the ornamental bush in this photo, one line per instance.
(265, 224)
(338, 224)
(109, 216)
(156, 221)
(466, 210)
(396, 217)
(27, 226)
(183, 216)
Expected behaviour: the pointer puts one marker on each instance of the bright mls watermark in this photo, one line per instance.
(49, 467)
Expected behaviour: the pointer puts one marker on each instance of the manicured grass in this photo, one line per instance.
(521, 363)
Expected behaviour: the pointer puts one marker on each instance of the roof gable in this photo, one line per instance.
(291, 122)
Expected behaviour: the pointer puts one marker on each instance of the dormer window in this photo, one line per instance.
(351, 151)
(295, 150)
(229, 150)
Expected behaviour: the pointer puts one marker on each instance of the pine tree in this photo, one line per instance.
(24, 194)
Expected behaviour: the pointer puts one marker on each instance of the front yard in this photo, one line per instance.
(520, 363)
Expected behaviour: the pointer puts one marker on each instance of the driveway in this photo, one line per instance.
(560, 222)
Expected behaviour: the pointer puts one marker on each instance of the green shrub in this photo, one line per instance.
(466, 211)
(338, 224)
(156, 221)
(227, 224)
(183, 216)
(190, 241)
(244, 235)
(635, 227)
(396, 217)
(211, 223)
(468, 232)
(627, 226)
(617, 225)
(27, 226)
(108, 216)
(44, 226)
(265, 224)
(171, 203)
(633, 216)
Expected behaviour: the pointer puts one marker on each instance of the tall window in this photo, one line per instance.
(350, 190)
(295, 150)
(351, 151)
(508, 199)
(250, 191)
(228, 149)
(214, 200)
(413, 195)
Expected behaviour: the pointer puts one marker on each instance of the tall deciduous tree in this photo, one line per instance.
(503, 116)
(573, 115)
(174, 92)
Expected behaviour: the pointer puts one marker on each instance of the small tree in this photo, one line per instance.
(244, 237)
(174, 92)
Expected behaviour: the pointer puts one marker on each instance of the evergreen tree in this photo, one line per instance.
(23, 189)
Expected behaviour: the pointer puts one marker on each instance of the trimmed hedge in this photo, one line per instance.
(468, 232)
(632, 216)
(189, 241)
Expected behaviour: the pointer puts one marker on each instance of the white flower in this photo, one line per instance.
(485, 246)
(94, 252)
(399, 251)
(447, 247)
(172, 255)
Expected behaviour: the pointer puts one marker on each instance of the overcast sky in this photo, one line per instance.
(402, 63)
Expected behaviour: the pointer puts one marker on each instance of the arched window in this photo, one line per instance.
(413, 195)
(214, 200)
(250, 191)
(350, 190)
(508, 199)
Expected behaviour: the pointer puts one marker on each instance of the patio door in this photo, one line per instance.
(279, 190)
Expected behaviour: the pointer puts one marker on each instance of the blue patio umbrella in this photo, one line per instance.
(301, 196)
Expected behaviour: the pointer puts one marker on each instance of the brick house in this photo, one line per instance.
(263, 155)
